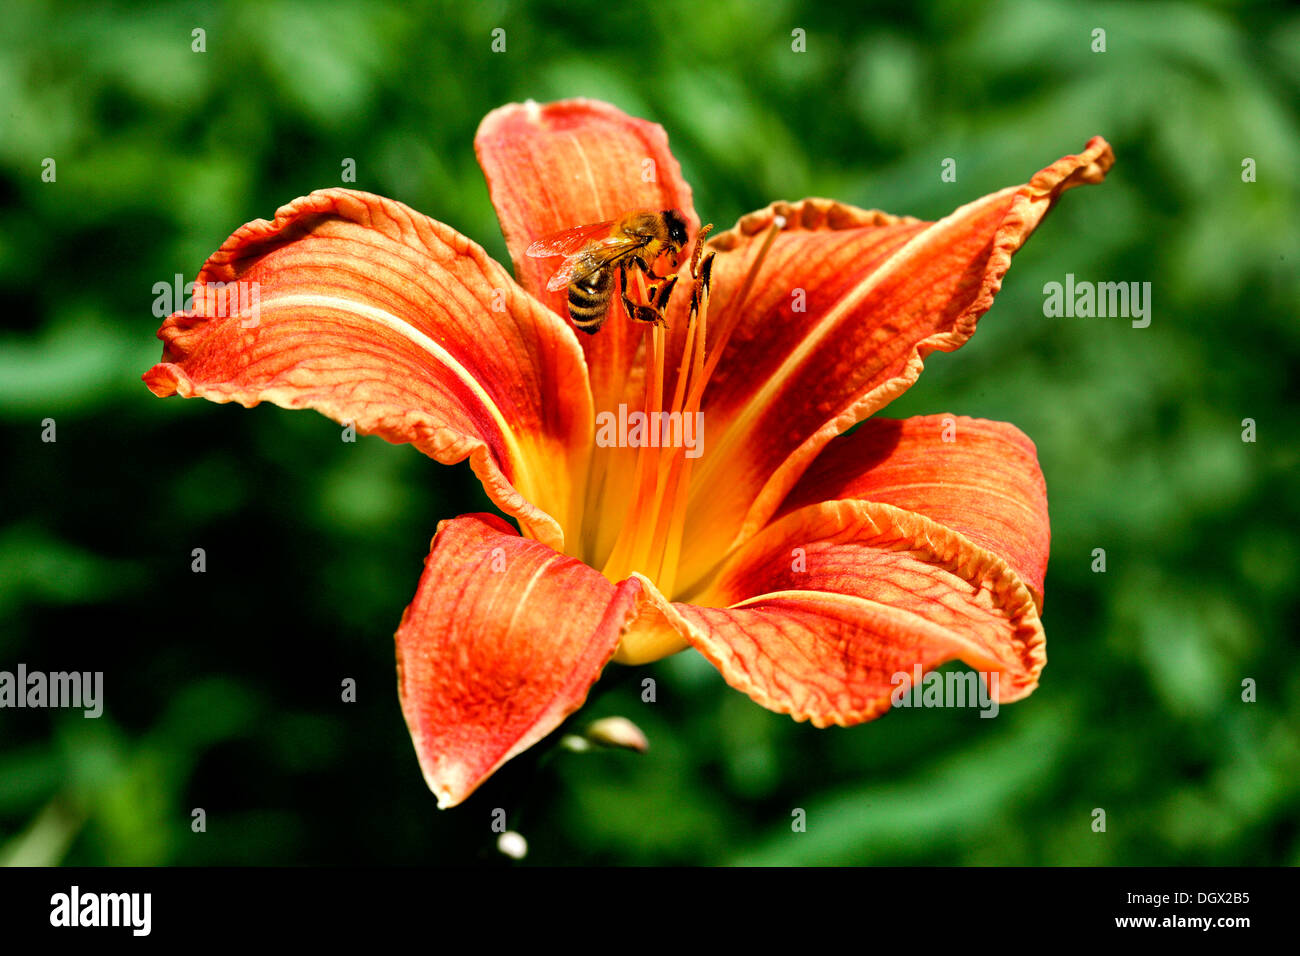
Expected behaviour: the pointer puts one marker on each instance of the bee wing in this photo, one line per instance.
(568, 242)
(579, 266)
(593, 256)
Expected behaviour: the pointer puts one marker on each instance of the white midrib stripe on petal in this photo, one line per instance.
(850, 300)
(405, 329)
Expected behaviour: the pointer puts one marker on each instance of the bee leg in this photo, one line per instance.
(635, 311)
(647, 271)
(645, 313)
(642, 313)
(622, 292)
(653, 312)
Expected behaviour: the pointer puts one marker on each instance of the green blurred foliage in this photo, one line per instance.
(223, 689)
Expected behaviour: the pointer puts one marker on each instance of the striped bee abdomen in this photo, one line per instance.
(589, 299)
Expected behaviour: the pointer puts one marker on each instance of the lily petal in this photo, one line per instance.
(374, 314)
(976, 477)
(846, 306)
(570, 163)
(503, 640)
(821, 633)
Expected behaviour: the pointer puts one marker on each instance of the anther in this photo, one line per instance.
(699, 248)
(659, 294)
(706, 271)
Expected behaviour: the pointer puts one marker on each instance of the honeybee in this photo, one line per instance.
(598, 253)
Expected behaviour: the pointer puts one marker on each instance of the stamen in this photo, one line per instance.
(660, 294)
(648, 461)
(680, 478)
(622, 559)
(699, 250)
(650, 539)
(669, 479)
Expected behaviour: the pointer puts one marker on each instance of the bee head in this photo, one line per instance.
(676, 229)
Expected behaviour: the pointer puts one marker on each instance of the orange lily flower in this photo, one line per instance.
(808, 565)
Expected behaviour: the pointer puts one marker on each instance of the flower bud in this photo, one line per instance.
(618, 732)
